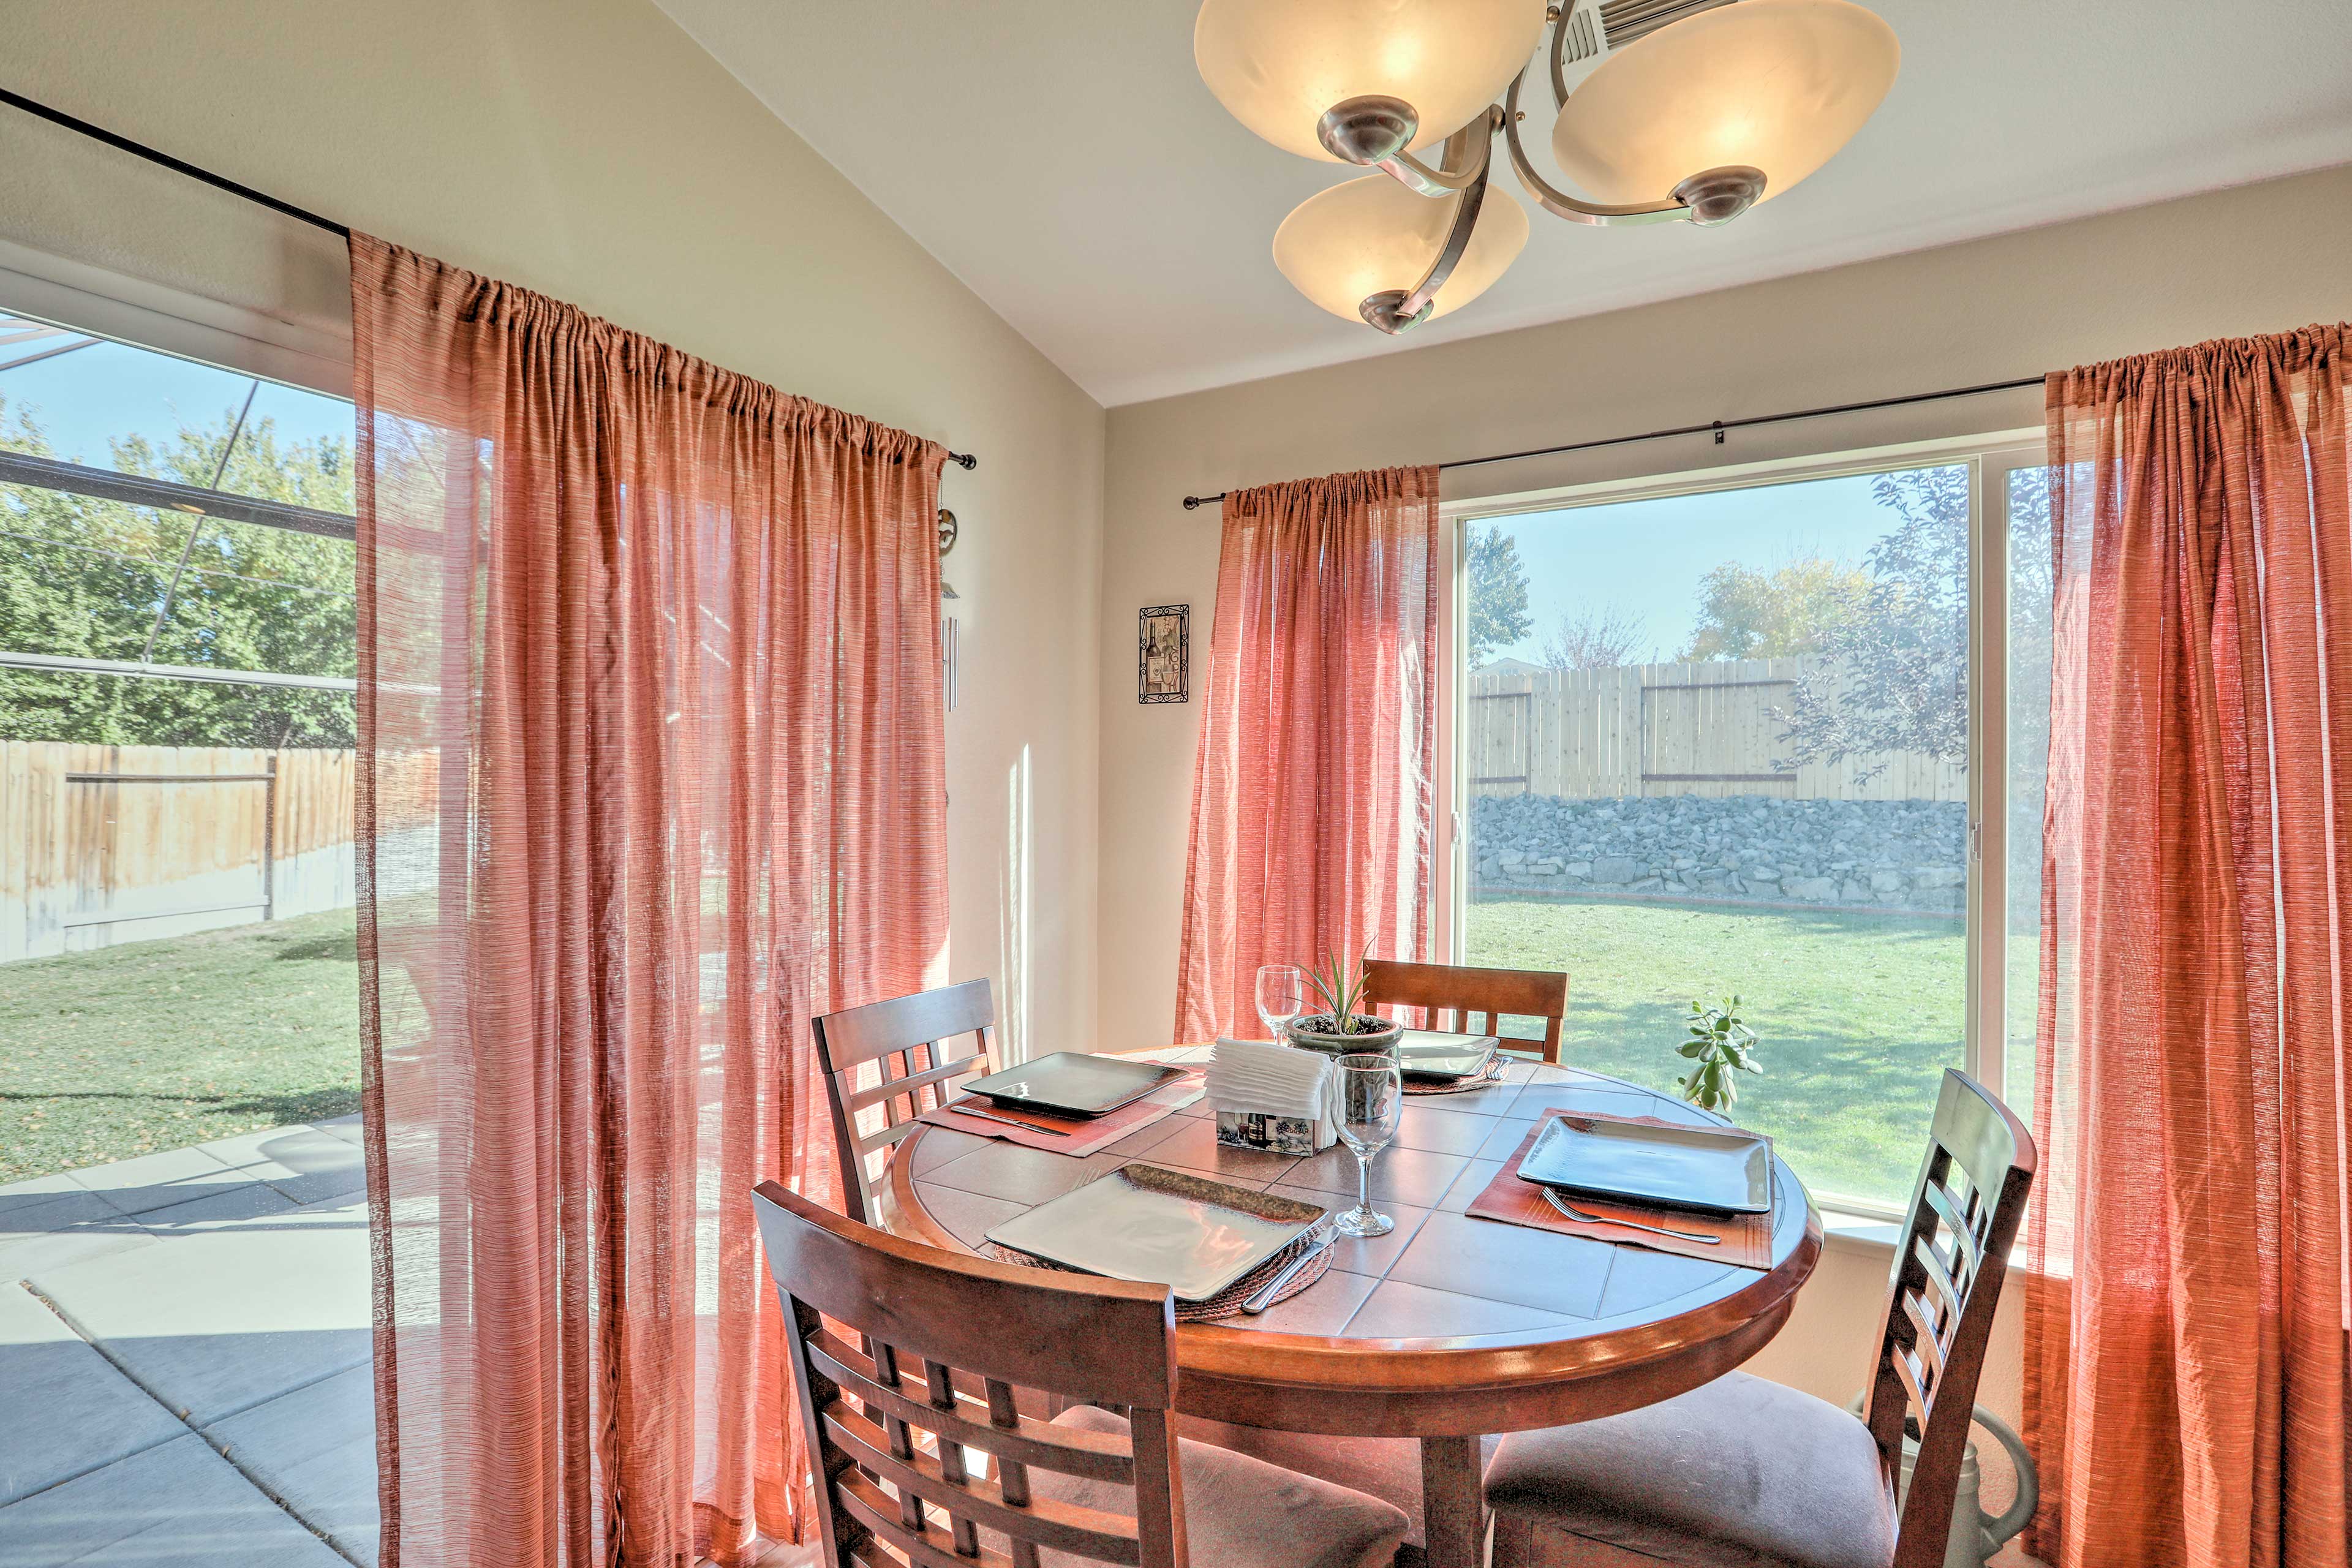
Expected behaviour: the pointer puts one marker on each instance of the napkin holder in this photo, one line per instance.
(1275, 1134)
(1282, 1131)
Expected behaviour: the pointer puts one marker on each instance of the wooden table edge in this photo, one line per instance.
(1496, 1364)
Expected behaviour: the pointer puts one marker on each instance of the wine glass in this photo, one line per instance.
(1367, 1098)
(1281, 997)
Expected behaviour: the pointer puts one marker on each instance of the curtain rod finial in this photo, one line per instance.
(963, 460)
(1191, 503)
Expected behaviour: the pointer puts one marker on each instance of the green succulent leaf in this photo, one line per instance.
(1720, 1046)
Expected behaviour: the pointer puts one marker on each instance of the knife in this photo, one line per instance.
(962, 1108)
(1259, 1299)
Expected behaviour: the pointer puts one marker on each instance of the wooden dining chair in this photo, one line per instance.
(1741, 1470)
(1462, 995)
(887, 1062)
(941, 1347)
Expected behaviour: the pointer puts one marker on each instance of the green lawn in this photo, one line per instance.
(1858, 1014)
(158, 1045)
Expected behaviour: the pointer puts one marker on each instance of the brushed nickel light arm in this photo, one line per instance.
(1374, 131)
(1469, 154)
(1559, 16)
(1718, 195)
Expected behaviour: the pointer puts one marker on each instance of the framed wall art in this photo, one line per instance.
(1162, 654)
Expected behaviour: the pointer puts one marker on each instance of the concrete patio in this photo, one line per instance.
(184, 1347)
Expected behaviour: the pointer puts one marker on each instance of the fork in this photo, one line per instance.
(1573, 1212)
(964, 1107)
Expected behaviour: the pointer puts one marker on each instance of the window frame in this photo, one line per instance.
(1991, 457)
(109, 317)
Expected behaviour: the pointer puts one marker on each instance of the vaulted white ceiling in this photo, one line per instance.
(1063, 158)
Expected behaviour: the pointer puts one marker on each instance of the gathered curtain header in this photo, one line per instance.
(1371, 487)
(419, 283)
(2201, 371)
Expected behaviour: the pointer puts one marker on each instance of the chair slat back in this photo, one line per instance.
(1462, 995)
(938, 1344)
(887, 1063)
(1945, 1287)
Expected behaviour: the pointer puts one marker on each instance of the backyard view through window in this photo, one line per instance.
(183, 1231)
(176, 724)
(1719, 744)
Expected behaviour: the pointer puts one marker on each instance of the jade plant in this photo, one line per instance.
(1719, 1045)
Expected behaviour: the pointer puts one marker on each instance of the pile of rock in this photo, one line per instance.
(1884, 854)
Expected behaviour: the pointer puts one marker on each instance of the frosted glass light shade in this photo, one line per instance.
(1364, 236)
(1278, 64)
(1778, 85)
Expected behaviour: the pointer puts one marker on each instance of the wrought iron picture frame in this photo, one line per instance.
(1163, 661)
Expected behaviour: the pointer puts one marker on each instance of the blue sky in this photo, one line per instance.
(1647, 557)
(82, 398)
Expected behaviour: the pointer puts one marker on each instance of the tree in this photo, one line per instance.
(1589, 638)
(1747, 614)
(85, 578)
(1898, 676)
(1499, 592)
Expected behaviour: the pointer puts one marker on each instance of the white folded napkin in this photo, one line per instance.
(1275, 1080)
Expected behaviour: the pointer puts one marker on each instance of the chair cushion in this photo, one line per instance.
(1386, 1468)
(1240, 1513)
(1739, 1473)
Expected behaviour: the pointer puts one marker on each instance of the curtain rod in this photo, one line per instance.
(1718, 426)
(222, 182)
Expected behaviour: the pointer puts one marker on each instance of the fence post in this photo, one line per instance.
(270, 840)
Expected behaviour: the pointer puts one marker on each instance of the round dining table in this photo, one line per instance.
(1450, 1328)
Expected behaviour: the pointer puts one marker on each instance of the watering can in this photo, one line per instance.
(1977, 1535)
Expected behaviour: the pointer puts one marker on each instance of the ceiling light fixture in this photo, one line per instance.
(1668, 108)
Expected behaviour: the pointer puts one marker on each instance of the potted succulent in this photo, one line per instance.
(1340, 1029)
(1719, 1046)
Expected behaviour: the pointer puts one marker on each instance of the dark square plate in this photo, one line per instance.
(1718, 1168)
(1073, 1083)
(1160, 1227)
(1429, 1054)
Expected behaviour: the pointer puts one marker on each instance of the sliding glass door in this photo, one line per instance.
(1730, 740)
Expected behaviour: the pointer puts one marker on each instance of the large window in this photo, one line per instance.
(1730, 737)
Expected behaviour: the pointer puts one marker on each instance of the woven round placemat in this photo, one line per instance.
(1488, 1080)
(1227, 1302)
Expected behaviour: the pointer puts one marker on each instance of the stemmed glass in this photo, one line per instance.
(1281, 997)
(1368, 1096)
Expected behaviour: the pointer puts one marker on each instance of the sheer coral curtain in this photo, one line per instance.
(649, 772)
(1313, 782)
(2186, 1373)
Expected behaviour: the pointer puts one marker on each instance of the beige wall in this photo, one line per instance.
(589, 149)
(2261, 259)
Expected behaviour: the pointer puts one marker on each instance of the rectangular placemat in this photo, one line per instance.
(1744, 1240)
(1082, 1135)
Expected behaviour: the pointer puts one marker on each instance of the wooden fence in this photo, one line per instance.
(108, 844)
(1705, 728)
